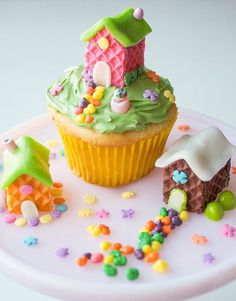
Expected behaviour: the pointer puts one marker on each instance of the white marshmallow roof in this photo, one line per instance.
(206, 152)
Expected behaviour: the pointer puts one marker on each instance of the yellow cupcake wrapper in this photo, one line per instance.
(113, 166)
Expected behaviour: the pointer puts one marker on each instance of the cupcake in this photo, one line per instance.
(114, 115)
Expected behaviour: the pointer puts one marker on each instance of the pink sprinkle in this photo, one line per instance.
(228, 230)
(138, 13)
(78, 110)
(102, 213)
(56, 90)
(97, 258)
(9, 218)
(26, 189)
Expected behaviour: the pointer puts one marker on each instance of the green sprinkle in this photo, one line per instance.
(144, 235)
(109, 270)
(115, 253)
(158, 237)
(62, 152)
(163, 212)
(120, 261)
(132, 273)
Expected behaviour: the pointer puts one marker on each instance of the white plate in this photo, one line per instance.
(38, 267)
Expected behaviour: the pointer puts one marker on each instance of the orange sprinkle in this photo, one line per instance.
(199, 239)
(150, 225)
(81, 261)
(56, 192)
(127, 250)
(156, 79)
(105, 229)
(57, 184)
(150, 74)
(151, 257)
(183, 127)
(166, 220)
(95, 102)
(167, 229)
(115, 246)
(59, 201)
(89, 119)
(234, 170)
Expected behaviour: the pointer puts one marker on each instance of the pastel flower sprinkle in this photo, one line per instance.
(31, 241)
(169, 95)
(56, 90)
(62, 252)
(183, 127)
(208, 258)
(199, 239)
(89, 199)
(85, 212)
(102, 213)
(149, 94)
(52, 156)
(179, 176)
(228, 230)
(128, 195)
(127, 213)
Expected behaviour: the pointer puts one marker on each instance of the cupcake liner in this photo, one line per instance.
(113, 166)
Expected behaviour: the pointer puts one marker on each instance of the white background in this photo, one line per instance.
(193, 43)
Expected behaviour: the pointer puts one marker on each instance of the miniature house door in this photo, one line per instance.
(102, 74)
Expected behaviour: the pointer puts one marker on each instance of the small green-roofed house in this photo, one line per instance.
(26, 174)
(115, 46)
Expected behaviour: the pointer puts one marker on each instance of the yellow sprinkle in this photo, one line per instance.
(20, 222)
(103, 43)
(183, 215)
(155, 245)
(89, 199)
(146, 249)
(172, 98)
(56, 192)
(52, 143)
(94, 230)
(100, 88)
(108, 259)
(80, 118)
(158, 217)
(88, 97)
(128, 195)
(144, 230)
(45, 219)
(105, 245)
(160, 266)
(98, 95)
(85, 212)
(167, 93)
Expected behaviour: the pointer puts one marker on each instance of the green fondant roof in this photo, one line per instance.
(29, 158)
(124, 27)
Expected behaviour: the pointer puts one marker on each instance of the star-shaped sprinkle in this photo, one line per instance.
(85, 212)
(128, 195)
(208, 258)
(62, 252)
(31, 241)
(127, 213)
(228, 230)
(102, 213)
(89, 199)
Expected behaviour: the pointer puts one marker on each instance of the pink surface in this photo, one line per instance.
(119, 58)
(39, 268)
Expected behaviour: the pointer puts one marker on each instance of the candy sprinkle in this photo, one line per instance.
(208, 258)
(128, 195)
(85, 212)
(199, 239)
(62, 252)
(31, 241)
(102, 213)
(109, 270)
(132, 273)
(89, 199)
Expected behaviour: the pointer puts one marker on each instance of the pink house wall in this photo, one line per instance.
(119, 58)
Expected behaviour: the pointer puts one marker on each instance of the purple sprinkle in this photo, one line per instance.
(176, 221)
(127, 213)
(52, 155)
(208, 258)
(88, 75)
(33, 221)
(149, 94)
(62, 252)
(83, 103)
(92, 84)
(56, 213)
(172, 212)
(138, 253)
(87, 255)
(172, 226)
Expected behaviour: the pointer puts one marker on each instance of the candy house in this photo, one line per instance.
(26, 179)
(198, 165)
(115, 48)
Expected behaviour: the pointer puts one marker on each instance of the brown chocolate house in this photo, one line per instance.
(199, 165)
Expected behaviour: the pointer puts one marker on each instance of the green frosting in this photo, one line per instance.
(29, 158)
(124, 27)
(141, 113)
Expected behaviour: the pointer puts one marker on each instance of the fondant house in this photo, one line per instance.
(115, 47)
(26, 175)
(199, 165)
